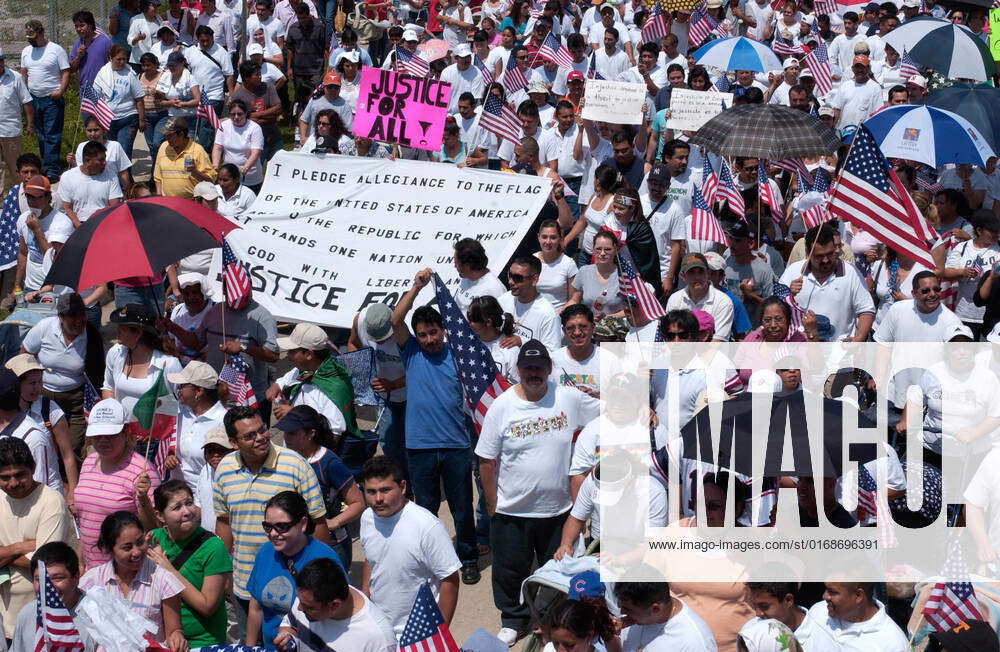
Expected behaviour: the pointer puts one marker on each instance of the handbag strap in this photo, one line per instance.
(190, 548)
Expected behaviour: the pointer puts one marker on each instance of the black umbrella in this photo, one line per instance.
(768, 131)
(786, 409)
(977, 103)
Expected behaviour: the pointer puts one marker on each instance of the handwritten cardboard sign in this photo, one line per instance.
(614, 101)
(689, 110)
(401, 109)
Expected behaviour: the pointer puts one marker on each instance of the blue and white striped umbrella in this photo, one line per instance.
(929, 135)
(737, 53)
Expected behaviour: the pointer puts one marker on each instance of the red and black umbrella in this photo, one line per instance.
(139, 237)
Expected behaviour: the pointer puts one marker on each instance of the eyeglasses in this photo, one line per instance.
(251, 436)
(935, 289)
(280, 528)
(773, 320)
(683, 335)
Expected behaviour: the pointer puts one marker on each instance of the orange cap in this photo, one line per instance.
(37, 186)
(860, 58)
(331, 78)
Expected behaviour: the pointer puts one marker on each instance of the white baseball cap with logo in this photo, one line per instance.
(107, 417)
(304, 336)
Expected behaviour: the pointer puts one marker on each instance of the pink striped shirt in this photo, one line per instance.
(150, 586)
(99, 494)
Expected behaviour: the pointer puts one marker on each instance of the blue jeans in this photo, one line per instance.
(327, 9)
(432, 467)
(206, 132)
(151, 297)
(123, 131)
(152, 133)
(50, 117)
(392, 435)
(574, 206)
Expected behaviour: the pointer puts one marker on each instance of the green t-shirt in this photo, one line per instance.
(211, 558)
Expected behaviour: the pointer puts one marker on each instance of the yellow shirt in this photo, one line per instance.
(169, 170)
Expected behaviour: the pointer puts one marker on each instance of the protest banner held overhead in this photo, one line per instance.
(329, 235)
(614, 101)
(401, 109)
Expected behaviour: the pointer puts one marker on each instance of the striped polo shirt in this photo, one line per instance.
(240, 495)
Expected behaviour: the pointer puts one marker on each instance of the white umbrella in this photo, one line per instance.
(936, 43)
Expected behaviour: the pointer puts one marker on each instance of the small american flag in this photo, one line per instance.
(867, 490)
(795, 166)
(767, 194)
(818, 62)
(655, 26)
(721, 85)
(952, 602)
(702, 25)
(816, 215)
(592, 68)
(411, 63)
(783, 47)
(90, 397)
(499, 119)
(782, 291)
(235, 374)
(8, 228)
(729, 191)
(821, 181)
(513, 78)
(709, 180)
(93, 104)
(704, 224)
(426, 630)
(483, 70)
(554, 51)
(207, 112)
(926, 179)
(907, 66)
(54, 628)
(631, 285)
(978, 265)
(235, 280)
(481, 382)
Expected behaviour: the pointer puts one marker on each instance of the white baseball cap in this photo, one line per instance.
(107, 417)
(196, 373)
(791, 62)
(715, 261)
(410, 35)
(462, 50)
(255, 48)
(190, 278)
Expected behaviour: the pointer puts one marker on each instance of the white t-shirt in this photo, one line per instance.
(956, 400)
(455, 35)
(841, 297)
(857, 101)
(533, 442)
(552, 281)
(715, 303)
(762, 14)
(63, 362)
(237, 145)
(535, 320)
(585, 373)
(238, 203)
(587, 505)
(468, 80)
(877, 633)
(120, 89)
(13, 95)
(368, 630)
(487, 285)
(139, 25)
(684, 632)
(668, 223)
(905, 323)
(116, 159)
(209, 76)
(54, 222)
(88, 194)
(183, 318)
(44, 65)
(405, 550)
(203, 497)
(610, 66)
(966, 256)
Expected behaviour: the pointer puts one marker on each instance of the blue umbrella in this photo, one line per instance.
(737, 53)
(976, 103)
(929, 135)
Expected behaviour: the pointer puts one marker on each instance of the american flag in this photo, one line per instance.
(869, 195)
(90, 397)
(783, 292)
(729, 191)
(236, 375)
(827, 7)
(784, 48)
(93, 104)
(499, 119)
(553, 50)
(926, 178)
(818, 62)
(907, 66)
(592, 68)
(411, 63)
(481, 382)
(709, 180)
(767, 194)
(701, 25)
(235, 280)
(821, 181)
(952, 602)
(426, 630)
(978, 265)
(655, 26)
(483, 70)
(513, 78)
(795, 166)
(867, 490)
(54, 628)
(8, 228)
(207, 112)
(631, 285)
(721, 85)
(816, 215)
(704, 224)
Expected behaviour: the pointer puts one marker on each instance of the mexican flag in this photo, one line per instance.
(156, 410)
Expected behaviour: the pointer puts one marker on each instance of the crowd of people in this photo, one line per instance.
(220, 534)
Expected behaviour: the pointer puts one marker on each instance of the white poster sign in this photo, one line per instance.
(329, 235)
(614, 101)
(689, 110)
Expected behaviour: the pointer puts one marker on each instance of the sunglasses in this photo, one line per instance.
(280, 528)
(517, 278)
(671, 337)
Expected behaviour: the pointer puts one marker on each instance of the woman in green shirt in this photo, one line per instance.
(197, 558)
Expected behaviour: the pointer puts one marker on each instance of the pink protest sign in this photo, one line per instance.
(403, 109)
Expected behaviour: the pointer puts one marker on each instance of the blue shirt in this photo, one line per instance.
(435, 411)
(334, 477)
(741, 318)
(273, 587)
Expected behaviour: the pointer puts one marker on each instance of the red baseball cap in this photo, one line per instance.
(332, 78)
(574, 75)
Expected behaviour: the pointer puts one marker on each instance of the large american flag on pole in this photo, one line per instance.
(54, 628)
(93, 104)
(236, 375)
(500, 120)
(818, 62)
(868, 195)
(481, 381)
(553, 50)
(631, 285)
(704, 224)
(426, 629)
(411, 63)
(952, 602)
(9, 242)
(235, 280)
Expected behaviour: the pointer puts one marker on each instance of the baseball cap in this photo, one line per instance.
(462, 50)
(587, 584)
(790, 62)
(691, 261)
(70, 304)
(607, 7)
(917, 80)
(304, 336)
(410, 35)
(966, 636)
(205, 190)
(805, 72)
(255, 48)
(107, 417)
(538, 87)
(872, 6)
(37, 186)
(860, 58)
(739, 230)
(331, 78)
(195, 373)
(715, 261)
(378, 322)
(23, 363)
(218, 437)
(706, 322)
(300, 417)
(659, 174)
(190, 278)
(574, 75)
(827, 110)
(533, 353)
